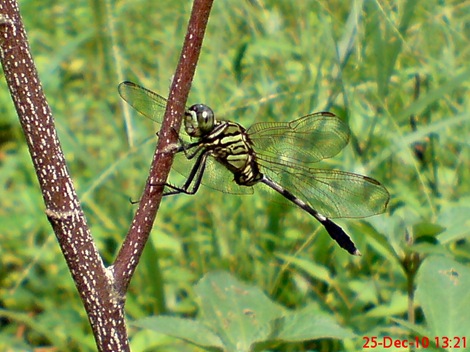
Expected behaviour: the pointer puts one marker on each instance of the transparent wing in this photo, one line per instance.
(216, 176)
(306, 140)
(145, 101)
(333, 193)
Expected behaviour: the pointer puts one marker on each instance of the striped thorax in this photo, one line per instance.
(228, 142)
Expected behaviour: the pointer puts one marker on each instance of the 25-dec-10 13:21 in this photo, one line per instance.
(454, 342)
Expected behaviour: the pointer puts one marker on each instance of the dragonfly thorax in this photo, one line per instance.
(199, 120)
(230, 144)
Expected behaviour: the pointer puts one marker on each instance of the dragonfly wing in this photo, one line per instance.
(218, 177)
(333, 193)
(148, 103)
(306, 140)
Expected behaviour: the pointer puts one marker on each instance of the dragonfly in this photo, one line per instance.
(232, 159)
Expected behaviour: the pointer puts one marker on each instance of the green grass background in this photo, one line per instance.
(261, 61)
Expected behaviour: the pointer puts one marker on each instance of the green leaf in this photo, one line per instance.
(240, 314)
(239, 317)
(185, 329)
(443, 287)
(314, 270)
(427, 229)
(457, 223)
(397, 304)
(309, 325)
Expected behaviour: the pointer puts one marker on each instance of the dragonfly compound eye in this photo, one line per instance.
(199, 120)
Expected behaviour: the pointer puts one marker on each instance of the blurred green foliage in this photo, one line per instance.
(261, 61)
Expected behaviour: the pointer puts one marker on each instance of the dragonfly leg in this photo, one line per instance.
(193, 181)
(186, 147)
(335, 231)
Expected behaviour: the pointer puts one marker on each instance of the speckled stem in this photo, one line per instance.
(94, 282)
(101, 289)
(134, 243)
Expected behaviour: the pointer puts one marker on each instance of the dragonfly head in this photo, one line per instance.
(199, 120)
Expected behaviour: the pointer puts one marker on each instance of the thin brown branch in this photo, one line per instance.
(134, 243)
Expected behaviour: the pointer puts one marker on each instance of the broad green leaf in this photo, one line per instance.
(443, 287)
(427, 229)
(310, 325)
(185, 329)
(240, 314)
(457, 223)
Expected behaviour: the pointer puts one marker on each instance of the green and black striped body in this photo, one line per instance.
(230, 145)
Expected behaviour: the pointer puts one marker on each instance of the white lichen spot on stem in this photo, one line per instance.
(61, 215)
(5, 20)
